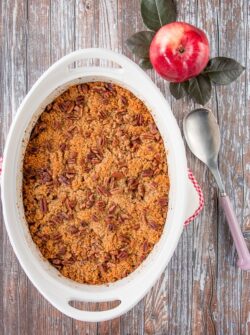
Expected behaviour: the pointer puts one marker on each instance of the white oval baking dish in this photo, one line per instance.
(183, 199)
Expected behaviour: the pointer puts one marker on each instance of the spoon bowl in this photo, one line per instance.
(201, 124)
(202, 134)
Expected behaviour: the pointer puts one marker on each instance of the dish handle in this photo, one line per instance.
(61, 300)
(195, 203)
(124, 63)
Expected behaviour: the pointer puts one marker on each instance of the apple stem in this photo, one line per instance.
(181, 49)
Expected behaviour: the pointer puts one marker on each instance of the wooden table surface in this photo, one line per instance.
(201, 291)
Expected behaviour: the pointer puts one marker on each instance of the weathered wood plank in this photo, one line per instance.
(61, 28)
(245, 294)
(13, 82)
(232, 106)
(205, 236)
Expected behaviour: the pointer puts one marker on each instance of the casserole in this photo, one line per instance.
(183, 199)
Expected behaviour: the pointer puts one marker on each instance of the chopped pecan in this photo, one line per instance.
(63, 216)
(73, 230)
(147, 136)
(39, 128)
(45, 237)
(158, 158)
(97, 151)
(103, 190)
(32, 149)
(118, 175)
(124, 100)
(141, 191)
(83, 88)
(157, 137)
(124, 216)
(68, 261)
(56, 124)
(111, 182)
(95, 218)
(103, 114)
(90, 200)
(124, 239)
(63, 180)
(147, 173)
(163, 202)
(67, 106)
(70, 174)
(94, 156)
(43, 205)
(72, 158)
(115, 190)
(90, 156)
(153, 129)
(84, 224)
(115, 142)
(101, 205)
(138, 120)
(62, 251)
(152, 224)
(63, 146)
(136, 139)
(145, 246)
(136, 226)
(54, 220)
(70, 204)
(98, 89)
(80, 100)
(122, 255)
(49, 107)
(110, 87)
(56, 236)
(30, 173)
(101, 141)
(154, 185)
(132, 183)
(76, 114)
(72, 129)
(56, 261)
(111, 227)
(112, 208)
(103, 267)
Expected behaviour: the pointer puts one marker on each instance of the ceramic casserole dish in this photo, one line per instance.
(183, 199)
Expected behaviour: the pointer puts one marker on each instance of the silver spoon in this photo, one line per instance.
(203, 138)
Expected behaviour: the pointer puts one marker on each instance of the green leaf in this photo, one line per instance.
(200, 89)
(178, 90)
(145, 64)
(157, 13)
(139, 43)
(223, 70)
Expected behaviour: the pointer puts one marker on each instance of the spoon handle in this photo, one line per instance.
(240, 244)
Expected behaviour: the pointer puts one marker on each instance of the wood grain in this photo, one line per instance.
(201, 290)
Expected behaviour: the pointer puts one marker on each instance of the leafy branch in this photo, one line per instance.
(219, 70)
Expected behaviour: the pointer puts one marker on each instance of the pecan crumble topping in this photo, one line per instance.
(95, 183)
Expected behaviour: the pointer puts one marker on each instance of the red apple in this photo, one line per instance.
(179, 51)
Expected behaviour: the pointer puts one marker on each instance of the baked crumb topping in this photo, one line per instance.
(95, 183)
